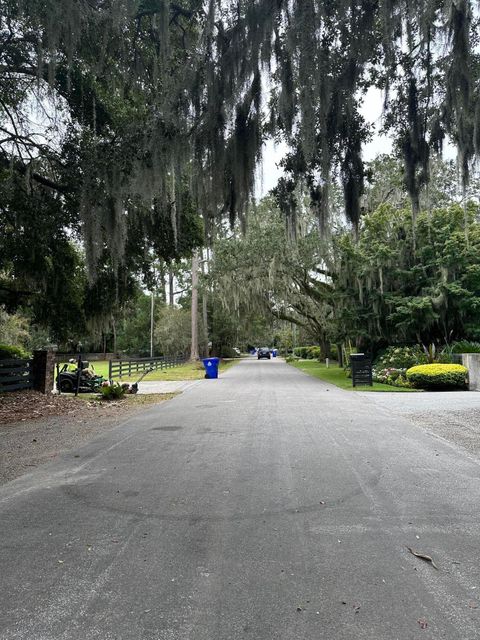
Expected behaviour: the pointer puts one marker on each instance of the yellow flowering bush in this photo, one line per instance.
(438, 375)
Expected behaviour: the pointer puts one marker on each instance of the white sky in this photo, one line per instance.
(372, 108)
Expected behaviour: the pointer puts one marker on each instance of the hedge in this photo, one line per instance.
(308, 353)
(9, 351)
(428, 376)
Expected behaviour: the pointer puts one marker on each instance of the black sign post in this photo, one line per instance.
(361, 369)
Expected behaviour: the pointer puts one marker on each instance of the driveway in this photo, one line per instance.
(263, 505)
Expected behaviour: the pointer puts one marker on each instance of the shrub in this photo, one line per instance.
(11, 351)
(228, 352)
(393, 377)
(401, 357)
(300, 352)
(292, 358)
(439, 376)
(314, 353)
(464, 346)
(308, 353)
(113, 390)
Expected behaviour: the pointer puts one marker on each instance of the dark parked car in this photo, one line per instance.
(263, 352)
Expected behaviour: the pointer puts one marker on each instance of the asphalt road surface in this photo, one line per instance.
(265, 505)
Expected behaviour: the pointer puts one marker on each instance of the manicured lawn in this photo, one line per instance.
(336, 375)
(187, 371)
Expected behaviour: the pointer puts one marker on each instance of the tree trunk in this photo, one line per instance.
(171, 297)
(325, 347)
(152, 314)
(205, 324)
(173, 207)
(194, 355)
(205, 312)
(161, 289)
(339, 354)
(114, 331)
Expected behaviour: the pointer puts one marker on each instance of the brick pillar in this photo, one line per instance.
(43, 367)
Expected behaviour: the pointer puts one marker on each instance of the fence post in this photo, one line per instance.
(43, 370)
(109, 369)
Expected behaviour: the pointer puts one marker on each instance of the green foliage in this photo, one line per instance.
(173, 332)
(308, 353)
(293, 358)
(438, 376)
(12, 351)
(284, 339)
(334, 352)
(155, 99)
(228, 352)
(391, 376)
(112, 391)
(133, 328)
(401, 357)
(263, 272)
(391, 289)
(14, 328)
(464, 346)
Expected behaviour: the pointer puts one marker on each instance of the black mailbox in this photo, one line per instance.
(361, 369)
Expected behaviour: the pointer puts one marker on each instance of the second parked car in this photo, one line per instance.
(263, 352)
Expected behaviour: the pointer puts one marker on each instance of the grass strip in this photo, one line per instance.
(336, 376)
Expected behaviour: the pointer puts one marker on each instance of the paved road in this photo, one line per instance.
(165, 386)
(265, 505)
(405, 403)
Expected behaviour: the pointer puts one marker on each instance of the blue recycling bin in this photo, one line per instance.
(274, 353)
(211, 367)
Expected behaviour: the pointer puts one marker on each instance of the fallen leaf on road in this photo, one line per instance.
(423, 556)
(473, 605)
(299, 609)
(423, 623)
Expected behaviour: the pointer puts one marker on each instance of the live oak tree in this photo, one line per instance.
(158, 92)
(151, 112)
(398, 281)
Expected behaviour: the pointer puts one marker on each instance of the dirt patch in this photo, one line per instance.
(35, 428)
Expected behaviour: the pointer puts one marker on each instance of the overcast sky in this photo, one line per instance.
(372, 111)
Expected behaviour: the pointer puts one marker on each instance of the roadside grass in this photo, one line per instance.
(187, 371)
(336, 376)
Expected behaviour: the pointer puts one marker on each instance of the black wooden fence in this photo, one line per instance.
(135, 368)
(15, 374)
